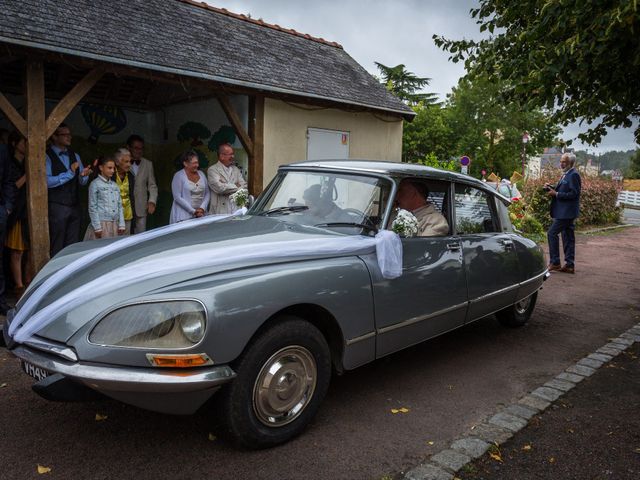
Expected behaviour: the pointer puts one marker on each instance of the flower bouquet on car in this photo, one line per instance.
(240, 197)
(405, 224)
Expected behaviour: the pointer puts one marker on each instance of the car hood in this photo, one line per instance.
(252, 234)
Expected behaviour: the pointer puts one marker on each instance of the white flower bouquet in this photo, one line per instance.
(240, 197)
(405, 224)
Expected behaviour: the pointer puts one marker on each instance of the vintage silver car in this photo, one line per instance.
(265, 306)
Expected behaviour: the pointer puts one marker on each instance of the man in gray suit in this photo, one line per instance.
(145, 193)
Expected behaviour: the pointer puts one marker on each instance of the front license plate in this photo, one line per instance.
(35, 372)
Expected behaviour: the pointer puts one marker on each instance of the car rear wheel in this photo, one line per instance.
(519, 313)
(281, 380)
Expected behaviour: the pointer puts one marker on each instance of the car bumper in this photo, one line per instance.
(177, 391)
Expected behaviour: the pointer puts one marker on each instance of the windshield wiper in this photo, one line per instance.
(348, 224)
(284, 210)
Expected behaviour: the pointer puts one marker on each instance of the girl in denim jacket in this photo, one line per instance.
(105, 204)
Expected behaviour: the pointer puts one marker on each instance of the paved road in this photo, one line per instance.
(448, 384)
(631, 215)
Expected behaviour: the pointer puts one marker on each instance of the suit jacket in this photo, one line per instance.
(222, 183)
(566, 205)
(145, 190)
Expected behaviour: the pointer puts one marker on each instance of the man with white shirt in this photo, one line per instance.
(65, 174)
(145, 193)
(224, 178)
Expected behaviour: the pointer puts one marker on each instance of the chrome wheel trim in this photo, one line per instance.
(523, 305)
(285, 385)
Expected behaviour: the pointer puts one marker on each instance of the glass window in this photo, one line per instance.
(327, 200)
(473, 211)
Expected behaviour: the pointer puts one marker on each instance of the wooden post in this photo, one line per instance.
(12, 114)
(35, 166)
(236, 123)
(256, 132)
(71, 99)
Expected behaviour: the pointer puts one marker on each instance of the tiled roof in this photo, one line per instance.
(193, 39)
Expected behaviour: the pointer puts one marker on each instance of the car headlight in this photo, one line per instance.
(174, 324)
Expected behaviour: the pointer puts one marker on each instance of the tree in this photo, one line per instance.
(579, 59)
(428, 134)
(634, 166)
(489, 130)
(405, 84)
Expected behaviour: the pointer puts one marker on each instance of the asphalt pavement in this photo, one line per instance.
(631, 216)
(440, 391)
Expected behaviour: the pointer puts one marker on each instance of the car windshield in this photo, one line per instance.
(347, 203)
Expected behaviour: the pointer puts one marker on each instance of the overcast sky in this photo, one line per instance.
(392, 32)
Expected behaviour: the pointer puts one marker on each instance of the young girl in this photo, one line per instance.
(105, 204)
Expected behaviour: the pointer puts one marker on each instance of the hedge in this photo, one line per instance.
(597, 199)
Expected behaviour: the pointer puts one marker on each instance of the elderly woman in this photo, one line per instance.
(189, 189)
(126, 182)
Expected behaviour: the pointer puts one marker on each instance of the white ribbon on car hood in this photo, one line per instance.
(386, 244)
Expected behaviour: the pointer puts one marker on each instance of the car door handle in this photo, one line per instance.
(508, 243)
(453, 247)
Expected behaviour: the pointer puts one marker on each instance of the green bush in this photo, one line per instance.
(597, 199)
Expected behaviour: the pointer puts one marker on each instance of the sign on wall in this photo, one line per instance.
(325, 144)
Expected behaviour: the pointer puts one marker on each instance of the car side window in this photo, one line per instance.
(473, 211)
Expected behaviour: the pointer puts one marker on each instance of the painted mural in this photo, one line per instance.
(202, 126)
(103, 120)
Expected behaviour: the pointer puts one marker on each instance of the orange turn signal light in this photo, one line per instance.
(186, 360)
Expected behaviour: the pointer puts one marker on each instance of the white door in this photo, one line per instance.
(327, 144)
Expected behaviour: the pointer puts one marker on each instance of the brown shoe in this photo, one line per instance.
(552, 267)
(568, 269)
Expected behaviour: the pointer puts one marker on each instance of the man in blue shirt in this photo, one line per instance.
(7, 197)
(65, 173)
(565, 207)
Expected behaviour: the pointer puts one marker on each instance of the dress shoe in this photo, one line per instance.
(568, 269)
(554, 267)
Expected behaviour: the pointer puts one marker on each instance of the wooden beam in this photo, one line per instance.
(71, 99)
(256, 132)
(233, 117)
(12, 114)
(37, 206)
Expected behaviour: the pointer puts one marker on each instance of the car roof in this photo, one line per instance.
(392, 169)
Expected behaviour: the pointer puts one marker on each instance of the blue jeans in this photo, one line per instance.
(566, 227)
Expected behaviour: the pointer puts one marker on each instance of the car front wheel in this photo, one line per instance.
(519, 313)
(281, 380)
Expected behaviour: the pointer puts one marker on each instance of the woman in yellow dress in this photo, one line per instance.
(17, 224)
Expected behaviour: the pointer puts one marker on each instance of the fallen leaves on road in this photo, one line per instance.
(494, 452)
(552, 459)
(3, 385)
(399, 410)
(496, 457)
(100, 417)
(430, 442)
(212, 437)
(526, 447)
(637, 450)
(42, 469)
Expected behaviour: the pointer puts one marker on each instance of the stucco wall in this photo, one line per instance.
(285, 133)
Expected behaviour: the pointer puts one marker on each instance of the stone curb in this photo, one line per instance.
(604, 229)
(501, 426)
